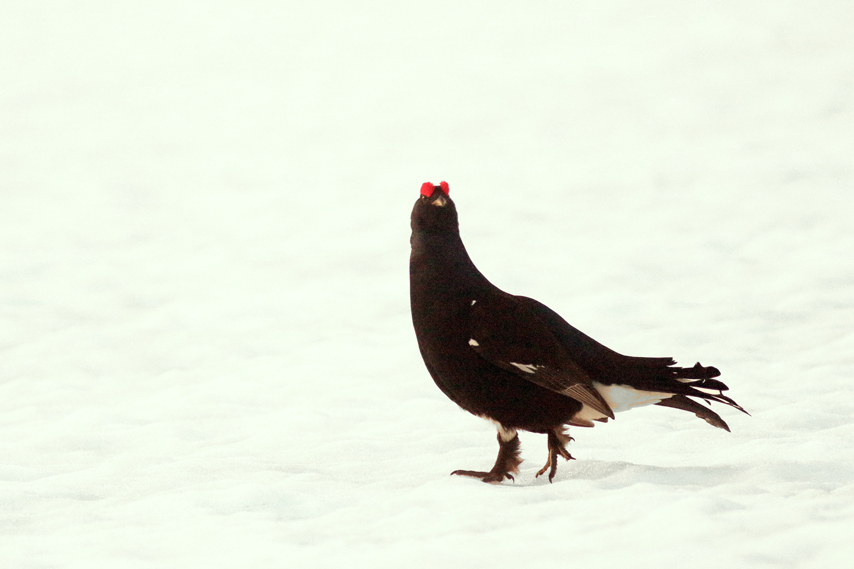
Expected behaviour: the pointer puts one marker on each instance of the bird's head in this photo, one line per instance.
(434, 210)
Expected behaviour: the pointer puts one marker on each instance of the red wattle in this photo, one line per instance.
(445, 188)
(427, 189)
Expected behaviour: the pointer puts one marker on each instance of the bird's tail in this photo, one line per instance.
(697, 381)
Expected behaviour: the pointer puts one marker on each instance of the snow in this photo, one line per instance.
(207, 355)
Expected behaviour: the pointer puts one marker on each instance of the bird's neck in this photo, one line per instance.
(439, 261)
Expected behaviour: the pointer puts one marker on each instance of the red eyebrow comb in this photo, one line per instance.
(427, 188)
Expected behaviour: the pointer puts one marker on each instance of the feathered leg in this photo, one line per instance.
(506, 464)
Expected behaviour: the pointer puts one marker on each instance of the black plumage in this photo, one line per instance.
(513, 360)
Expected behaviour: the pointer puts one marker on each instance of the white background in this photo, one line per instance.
(206, 355)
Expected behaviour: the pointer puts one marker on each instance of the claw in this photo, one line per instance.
(489, 477)
(508, 461)
(556, 442)
(546, 467)
(472, 473)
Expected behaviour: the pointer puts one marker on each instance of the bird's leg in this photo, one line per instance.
(557, 446)
(506, 464)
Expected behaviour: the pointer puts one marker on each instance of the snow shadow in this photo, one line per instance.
(789, 477)
(624, 474)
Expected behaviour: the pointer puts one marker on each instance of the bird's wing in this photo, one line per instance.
(508, 334)
(585, 350)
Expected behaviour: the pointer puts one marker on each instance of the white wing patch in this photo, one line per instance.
(473, 342)
(527, 368)
(472, 302)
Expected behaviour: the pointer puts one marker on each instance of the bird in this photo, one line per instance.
(514, 361)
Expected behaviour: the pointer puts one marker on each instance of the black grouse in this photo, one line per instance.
(516, 362)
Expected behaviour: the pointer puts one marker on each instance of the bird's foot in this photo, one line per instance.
(506, 465)
(492, 477)
(557, 446)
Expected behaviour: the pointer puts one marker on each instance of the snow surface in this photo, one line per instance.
(206, 354)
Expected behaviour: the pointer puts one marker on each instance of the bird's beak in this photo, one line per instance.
(439, 201)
